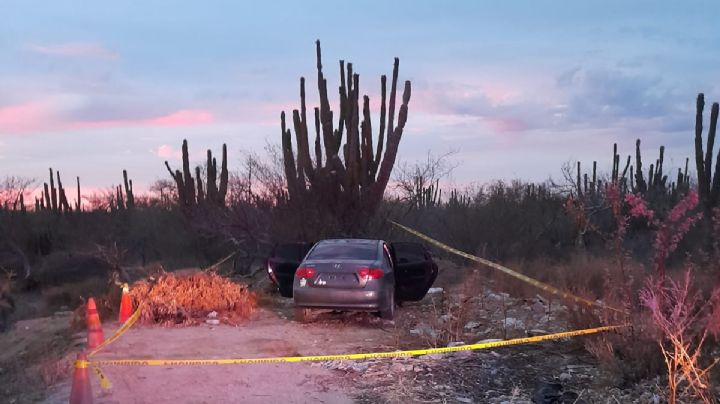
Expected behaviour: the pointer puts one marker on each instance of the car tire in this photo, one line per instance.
(302, 315)
(389, 312)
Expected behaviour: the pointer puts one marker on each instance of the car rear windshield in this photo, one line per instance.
(332, 251)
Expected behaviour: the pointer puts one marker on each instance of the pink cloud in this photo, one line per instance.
(26, 117)
(167, 152)
(92, 50)
(44, 115)
(506, 124)
(183, 117)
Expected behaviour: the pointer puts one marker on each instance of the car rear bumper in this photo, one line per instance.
(341, 299)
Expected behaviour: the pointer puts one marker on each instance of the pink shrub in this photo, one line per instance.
(681, 314)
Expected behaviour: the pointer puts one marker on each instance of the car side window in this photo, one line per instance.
(387, 256)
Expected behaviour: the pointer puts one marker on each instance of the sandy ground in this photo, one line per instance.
(268, 334)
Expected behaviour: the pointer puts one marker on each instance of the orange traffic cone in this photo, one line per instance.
(95, 333)
(81, 392)
(125, 305)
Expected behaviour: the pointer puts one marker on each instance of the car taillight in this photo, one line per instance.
(305, 273)
(370, 273)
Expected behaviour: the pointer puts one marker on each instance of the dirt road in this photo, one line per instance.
(268, 334)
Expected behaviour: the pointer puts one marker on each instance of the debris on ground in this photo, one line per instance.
(188, 300)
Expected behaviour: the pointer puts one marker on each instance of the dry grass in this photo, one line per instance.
(187, 300)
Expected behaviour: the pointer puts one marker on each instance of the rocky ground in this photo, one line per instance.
(464, 307)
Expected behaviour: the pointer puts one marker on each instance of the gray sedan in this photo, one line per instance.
(359, 274)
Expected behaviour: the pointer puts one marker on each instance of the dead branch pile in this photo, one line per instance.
(187, 300)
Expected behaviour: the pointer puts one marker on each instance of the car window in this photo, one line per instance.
(332, 251)
(410, 252)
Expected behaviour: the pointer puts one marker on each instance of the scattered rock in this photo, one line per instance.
(463, 400)
(431, 356)
(424, 329)
(63, 313)
(512, 322)
(472, 325)
(547, 393)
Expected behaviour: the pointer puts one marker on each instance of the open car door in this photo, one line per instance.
(283, 262)
(415, 270)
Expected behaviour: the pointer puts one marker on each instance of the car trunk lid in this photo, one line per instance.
(338, 274)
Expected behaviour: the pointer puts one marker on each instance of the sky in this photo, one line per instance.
(512, 89)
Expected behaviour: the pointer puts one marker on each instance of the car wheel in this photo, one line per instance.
(389, 312)
(302, 315)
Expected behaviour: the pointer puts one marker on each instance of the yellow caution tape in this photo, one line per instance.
(355, 356)
(126, 326)
(104, 381)
(508, 271)
(217, 264)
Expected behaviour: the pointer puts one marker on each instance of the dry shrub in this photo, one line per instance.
(187, 300)
(684, 318)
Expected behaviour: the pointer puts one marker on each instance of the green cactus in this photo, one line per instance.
(190, 190)
(708, 183)
(358, 180)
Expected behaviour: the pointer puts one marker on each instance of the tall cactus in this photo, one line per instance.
(708, 184)
(78, 202)
(53, 192)
(358, 180)
(55, 199)
(130, 197)
(640, 183)
(190, 190)
(427, 196)
(63, 205)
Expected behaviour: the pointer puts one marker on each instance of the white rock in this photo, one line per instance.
(565, 377)
(432, 356)
(212, 314)
(512, 322)
(489, 340)
(464, 399)
(212, 321)
(456, 343)
(472, 325)
(359, 366)
(424, 329)
(433, 291)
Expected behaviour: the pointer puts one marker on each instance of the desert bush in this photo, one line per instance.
(674, 315)
(684, 318)
(187, 300)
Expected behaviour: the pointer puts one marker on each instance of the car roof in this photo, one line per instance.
(349, 241)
